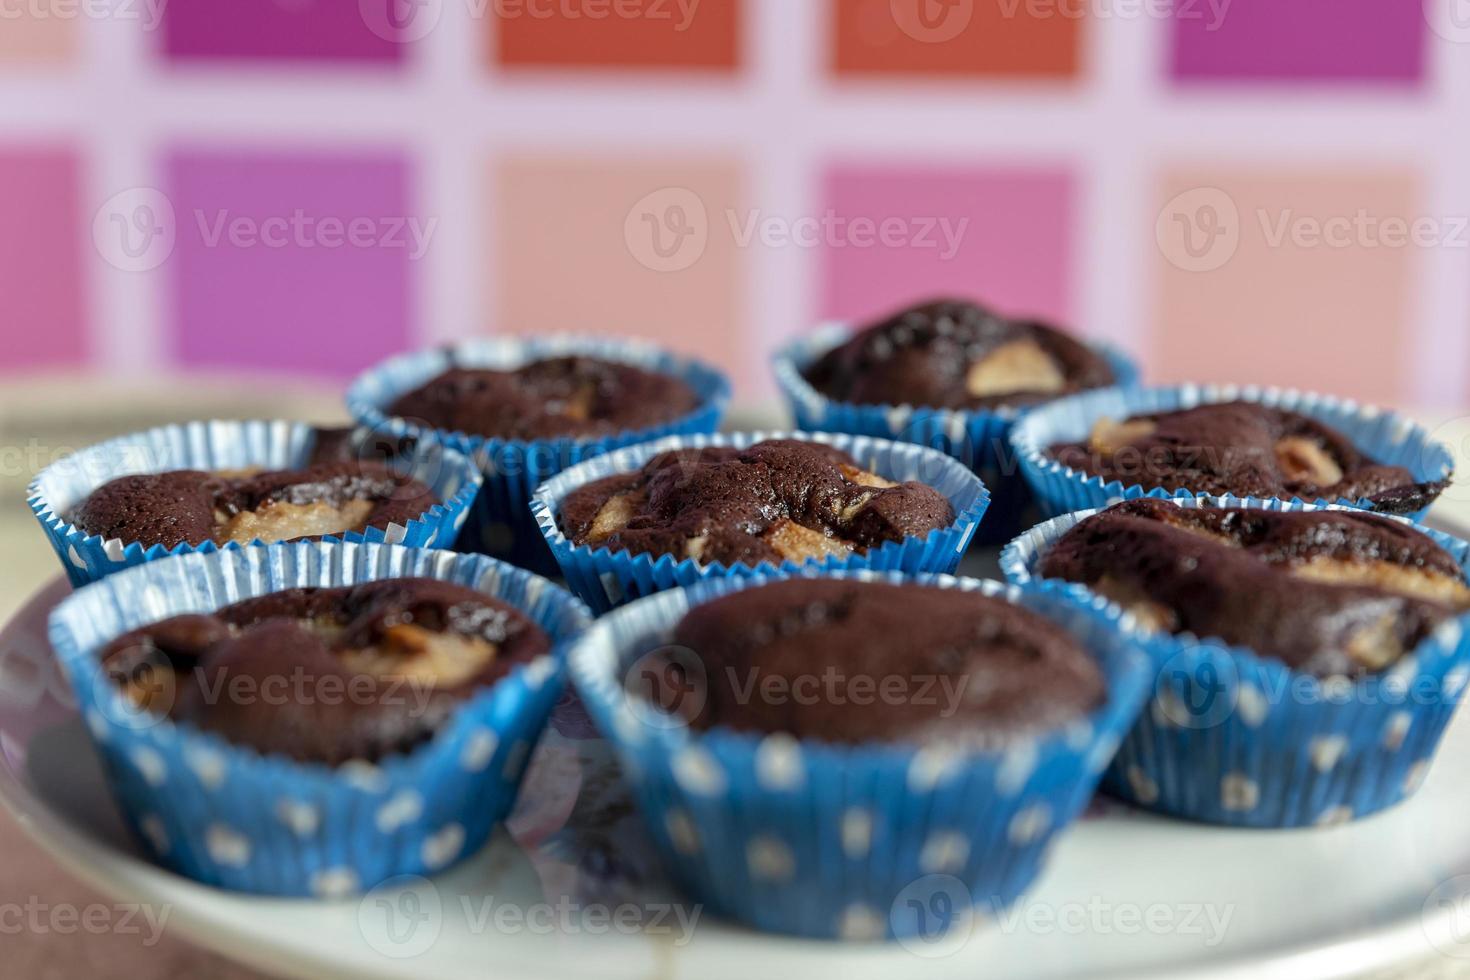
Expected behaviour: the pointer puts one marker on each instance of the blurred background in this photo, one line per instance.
(229, 207)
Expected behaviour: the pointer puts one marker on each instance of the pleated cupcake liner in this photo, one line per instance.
(1386, 436)
(979, 439)
(227, 815)
(856, 842)
(501, 523)
(605, 579)
(228, 445)
(1233, 737)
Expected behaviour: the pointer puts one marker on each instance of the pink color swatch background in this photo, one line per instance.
(302, 187)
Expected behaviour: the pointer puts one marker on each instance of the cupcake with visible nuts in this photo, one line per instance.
(209, 485)
(948, 374)
(528, 409)
(679, 511)
(1090, 450)
(314, 718)
(1294, 639)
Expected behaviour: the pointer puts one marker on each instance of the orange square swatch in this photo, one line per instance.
(699, 34)
(622, 247)
(995, 38)
(1297, 278)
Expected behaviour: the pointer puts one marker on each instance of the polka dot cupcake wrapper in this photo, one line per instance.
(852, 842)
(978, 439)
(1386, 436)
(606, 579)
(1231, 737)
(221, 445)
(229, 816)
(501, 523)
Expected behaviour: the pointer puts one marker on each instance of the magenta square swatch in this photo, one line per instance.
(1299, 40)
(297, 263)
(42, 241)
(329, 30)
(998, 235)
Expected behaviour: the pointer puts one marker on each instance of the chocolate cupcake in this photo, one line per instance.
(527, 409)
(971, 670)
(778, 500)
(313, 718)
(193, 507)
(690, 508)
(207, 485)
(1246, 449)
(1327, 592)
(859, 755)
(956, 354)
(1309, 658)
(561, 396)
(406, 652)
(950, 375)
(1091, 450)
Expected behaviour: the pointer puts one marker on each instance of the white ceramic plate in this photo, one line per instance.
(1125, 895)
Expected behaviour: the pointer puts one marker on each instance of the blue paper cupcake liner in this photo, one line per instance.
(979, 439)
(605, 579)
(1385, 436)
(841, 841)
(227, 815)
(1233, 737)
(501, 523)
(221, 445)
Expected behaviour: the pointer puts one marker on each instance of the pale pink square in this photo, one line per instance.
(1295, 278)
(1002, 236)
(622, 247)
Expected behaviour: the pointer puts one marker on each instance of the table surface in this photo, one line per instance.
(34, 881)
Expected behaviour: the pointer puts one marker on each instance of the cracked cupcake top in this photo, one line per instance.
(779, 500)
(955, 354)
(1245, 449)
(326, 675)
(1327, 592)
(333, 494)
(848, 661)
(562, 396)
